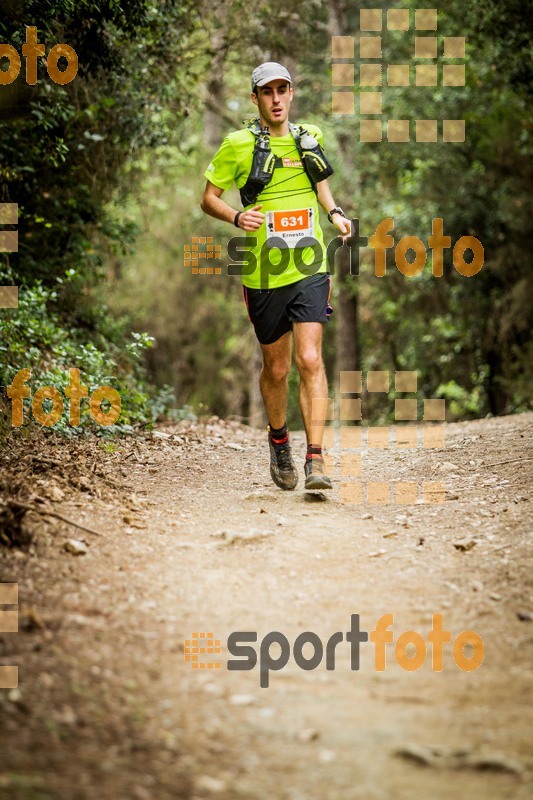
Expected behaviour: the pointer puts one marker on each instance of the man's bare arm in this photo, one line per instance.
(213, 205)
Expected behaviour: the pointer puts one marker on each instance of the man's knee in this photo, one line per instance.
(276, 371)
(309, 360)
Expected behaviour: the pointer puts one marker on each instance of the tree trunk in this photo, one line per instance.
(347, 348)
(214, 105)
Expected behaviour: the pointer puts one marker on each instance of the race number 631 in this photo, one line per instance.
(299, 220)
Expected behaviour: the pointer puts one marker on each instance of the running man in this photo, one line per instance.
(281, 172)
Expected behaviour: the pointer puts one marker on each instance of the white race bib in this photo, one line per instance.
(289, 225)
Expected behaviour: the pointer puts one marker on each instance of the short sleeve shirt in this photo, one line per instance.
(278, 253)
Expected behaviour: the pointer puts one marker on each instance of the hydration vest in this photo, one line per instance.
(314, 162)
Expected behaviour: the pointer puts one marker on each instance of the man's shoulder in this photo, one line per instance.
(242, 136)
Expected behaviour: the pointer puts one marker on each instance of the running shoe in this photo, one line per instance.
(282, 467)
(315, 477)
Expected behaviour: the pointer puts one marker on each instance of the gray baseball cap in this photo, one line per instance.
(269, 71)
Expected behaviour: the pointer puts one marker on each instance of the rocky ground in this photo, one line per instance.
(183, 532)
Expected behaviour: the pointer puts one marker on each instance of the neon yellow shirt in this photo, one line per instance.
(289, 204)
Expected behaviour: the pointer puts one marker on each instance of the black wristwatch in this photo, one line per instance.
(336, 210)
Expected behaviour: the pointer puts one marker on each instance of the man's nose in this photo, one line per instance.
(276, 97)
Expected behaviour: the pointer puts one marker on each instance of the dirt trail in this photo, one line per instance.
(196, 538)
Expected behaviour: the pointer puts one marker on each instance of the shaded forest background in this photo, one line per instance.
(108, 173)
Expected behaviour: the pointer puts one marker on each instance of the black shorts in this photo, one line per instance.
(272, 311)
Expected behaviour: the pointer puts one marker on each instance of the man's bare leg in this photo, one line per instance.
(313, 398)
(274, 382)
(274, 389)
(313, 383)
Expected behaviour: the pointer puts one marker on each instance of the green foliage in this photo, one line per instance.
(34, 338)
(466, 337)
(72, 148)
(108, 173)
(69, 156)
(469, 338)
(199, 322)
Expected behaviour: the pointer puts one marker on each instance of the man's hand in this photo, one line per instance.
(252, 219)
(343, 224)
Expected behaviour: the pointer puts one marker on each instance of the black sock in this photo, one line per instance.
(279, 435)
(313, 450)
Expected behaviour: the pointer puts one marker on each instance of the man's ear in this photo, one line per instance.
(253, 98)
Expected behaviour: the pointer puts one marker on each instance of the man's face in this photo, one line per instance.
(274, 101)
